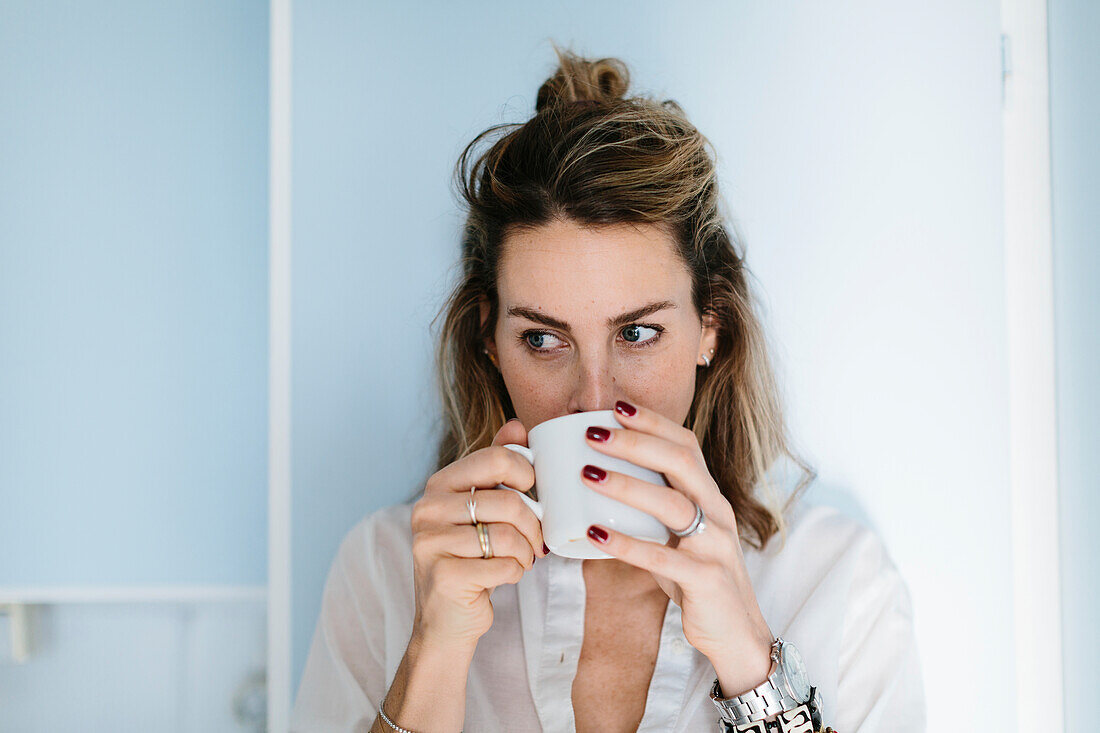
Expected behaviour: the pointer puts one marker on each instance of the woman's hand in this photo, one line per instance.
(452, 580)
(703, 574)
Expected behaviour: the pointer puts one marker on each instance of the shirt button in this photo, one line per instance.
(679, 646)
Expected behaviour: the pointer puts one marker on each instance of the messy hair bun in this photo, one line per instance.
(579, 80)
(595, 156)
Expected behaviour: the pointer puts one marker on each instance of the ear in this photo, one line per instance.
(483, 311)
(708, 344)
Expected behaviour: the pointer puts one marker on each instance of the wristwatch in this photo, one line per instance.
(785, 689)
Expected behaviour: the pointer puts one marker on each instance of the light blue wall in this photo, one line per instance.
(133, 292)
(1075, 169)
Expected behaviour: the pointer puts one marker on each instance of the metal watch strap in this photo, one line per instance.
(806, 718)
(763, 701)
(756, 704)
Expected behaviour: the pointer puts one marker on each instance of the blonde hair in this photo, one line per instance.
(594, 156)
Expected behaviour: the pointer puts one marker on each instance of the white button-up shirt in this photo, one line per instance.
(831, 589)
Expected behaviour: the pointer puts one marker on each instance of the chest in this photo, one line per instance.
(616, 664)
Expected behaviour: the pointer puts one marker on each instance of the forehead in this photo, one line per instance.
(563, 266)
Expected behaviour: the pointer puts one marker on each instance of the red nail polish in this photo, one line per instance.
(545, 549)
(600, 434)
(597, 534)
(594, 473)
(625, 408)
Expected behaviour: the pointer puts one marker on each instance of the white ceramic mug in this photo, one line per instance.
(566, 506)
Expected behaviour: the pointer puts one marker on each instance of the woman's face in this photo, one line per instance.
(591, 316)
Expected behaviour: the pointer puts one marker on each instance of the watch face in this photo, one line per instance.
(790, 661)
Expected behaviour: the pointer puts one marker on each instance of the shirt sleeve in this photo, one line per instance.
(879, 683)
(345, 675)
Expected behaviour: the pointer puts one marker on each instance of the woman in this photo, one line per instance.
(599, 274)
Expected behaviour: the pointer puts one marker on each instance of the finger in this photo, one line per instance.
(486, 468)
(498, 505)
(462, 541)
(669, 506)
(656, 558)
(652, 422)
(688, 452)
(480, 573)
(683, 466)
(511, 432)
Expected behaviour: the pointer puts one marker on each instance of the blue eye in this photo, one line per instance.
(537, 339)
(632, 333)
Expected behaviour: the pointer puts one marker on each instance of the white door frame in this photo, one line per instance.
(279, 693)
(1029, 309)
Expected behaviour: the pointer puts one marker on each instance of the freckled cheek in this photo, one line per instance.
(671, 381)
(529, 388)
(666, 384)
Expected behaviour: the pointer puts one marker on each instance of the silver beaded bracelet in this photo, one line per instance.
(387, 720)
(390, 723)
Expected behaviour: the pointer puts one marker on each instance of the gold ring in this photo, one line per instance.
(483, 538)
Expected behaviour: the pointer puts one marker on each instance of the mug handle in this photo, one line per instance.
(524, 451)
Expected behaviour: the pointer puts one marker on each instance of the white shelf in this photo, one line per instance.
(134, 594)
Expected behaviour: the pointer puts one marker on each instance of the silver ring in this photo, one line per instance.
(696, 527)
(706, 360)
(483, 538)
(471, 504)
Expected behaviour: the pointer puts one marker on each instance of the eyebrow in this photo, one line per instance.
(620, 320)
